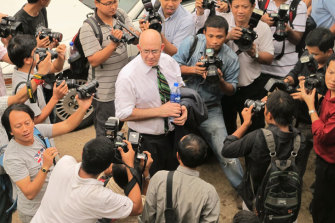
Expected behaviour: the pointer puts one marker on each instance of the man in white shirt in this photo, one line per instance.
(75, 195)
(141, 101)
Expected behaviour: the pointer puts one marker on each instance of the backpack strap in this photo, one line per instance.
(193, 47)
(18, 85)
(293, 11)
(296, 147)
(263, 4)
(169, 212)
(42, 139)
(270, 142)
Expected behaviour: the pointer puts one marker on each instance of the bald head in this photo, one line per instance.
(150, 46)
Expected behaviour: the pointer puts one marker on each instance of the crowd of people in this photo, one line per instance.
(271, 62)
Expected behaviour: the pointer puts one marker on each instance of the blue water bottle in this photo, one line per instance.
(174, 96)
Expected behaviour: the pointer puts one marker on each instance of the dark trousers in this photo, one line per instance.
(306, 131)
(163, 151)
(231, 105)
(323, 209)
(103, 110)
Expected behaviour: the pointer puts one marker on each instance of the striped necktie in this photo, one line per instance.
(164, 92)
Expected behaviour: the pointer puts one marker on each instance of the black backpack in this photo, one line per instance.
(80, 65)
(278, 198)
(7, 203)
(310, 23)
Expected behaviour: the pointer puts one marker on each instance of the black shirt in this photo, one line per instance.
(257, 159)
(30, 24)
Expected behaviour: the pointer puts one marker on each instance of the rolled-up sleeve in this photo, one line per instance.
(125, 97)
(183, 51)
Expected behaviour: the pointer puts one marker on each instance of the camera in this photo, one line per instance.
(244, 43)
(86, 90)
(153, 17)
(274, 83)
(212, 63)
(280, 19)
(258, 105)
(9, 26)
(71, 83)
(42, 53)
(315, 79)
(45, 32)
(128, 37)
(136, 141)
(208, 4)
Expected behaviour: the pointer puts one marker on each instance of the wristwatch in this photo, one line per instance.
(45, 170)
(256, 55)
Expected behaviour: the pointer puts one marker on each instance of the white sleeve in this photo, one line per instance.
(299, 22)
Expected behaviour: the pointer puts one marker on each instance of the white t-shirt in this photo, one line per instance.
(250, 69)
(283, 66)
(70, 198)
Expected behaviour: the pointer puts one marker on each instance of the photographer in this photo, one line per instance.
(143, 99)
(33, 15)
(285, 49)
(250, 82)
(278, 114)
(106, 58)
(323, 13)
(319, 44)
(177, 24)
(75, 195)
(211, 87)
(27, 160)
(21, 51)
(323, 129)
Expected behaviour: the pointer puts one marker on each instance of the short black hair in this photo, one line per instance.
(330, 59)
(20, 47)
(216, 21)
(15, 107)
(32, 1)
(192, 150)
(251, 1)
(98, 154)
(281, 106)
(245, 217)
(120, 176)
(320, 37)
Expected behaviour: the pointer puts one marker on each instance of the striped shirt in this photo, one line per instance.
(283, 66)
(106, 74)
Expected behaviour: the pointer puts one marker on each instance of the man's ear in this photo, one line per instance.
(329, 52)
(138, 47)
(28, 60)
(162, 47)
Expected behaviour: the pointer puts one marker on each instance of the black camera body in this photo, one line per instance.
(136, 141)
(212, 64)
(280, 19)
(274, 83)
(71, 83)
(154, 19)
(245, 42)
(258, 105)
(45, 32)
(208, 4)
(88, 89)
(42, 53)
(9, 26)
(128, 37)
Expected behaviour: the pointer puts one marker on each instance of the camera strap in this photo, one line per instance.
(279, 56)
(136, 179)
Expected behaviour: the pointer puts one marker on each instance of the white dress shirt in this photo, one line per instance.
(137, 87)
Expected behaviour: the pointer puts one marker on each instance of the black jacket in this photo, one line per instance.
(257, 159)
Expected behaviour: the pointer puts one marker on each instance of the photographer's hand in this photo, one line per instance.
(222, 6)
(42, 43)
(267, 19)
(57, 64)
(297, 95)
(48, 156)
(199, 69)
(247, 115)
(5, 41)
(144, 25)
(128, 157)
(61, 50)
(252, 51)
(183, 118)
(146, 174)
(117, 34)
(44, 66)
(235, 33)
(84, 103)
(60, 91)
(199, 9)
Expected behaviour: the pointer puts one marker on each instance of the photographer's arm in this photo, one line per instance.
(21, 96)
(246, 114)
(102, 55)
(57, 64)
(135, 193)
(169, 47)
(74, 120)
(293, 36)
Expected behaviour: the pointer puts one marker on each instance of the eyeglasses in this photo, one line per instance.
(153, 52)
(108, 3)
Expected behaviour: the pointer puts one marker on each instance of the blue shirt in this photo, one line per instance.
(323, 12)
(178, 26)
(210, 92)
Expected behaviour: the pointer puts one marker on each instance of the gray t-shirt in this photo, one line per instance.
(22, 161)
(17, 78)
(3, 135)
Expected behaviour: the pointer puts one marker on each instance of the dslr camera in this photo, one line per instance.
(315, 79)
(280, 19)
(244, 43)
(154, 19)
(274, 83)
(208, 4)
(9, 26)
(128, 37)
(88, 89)
(212, 63)
(42, 53)
(43, 32)
(258, 105)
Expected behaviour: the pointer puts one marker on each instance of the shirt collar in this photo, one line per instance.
(146, 69)
(188, 171)
(175, 14)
